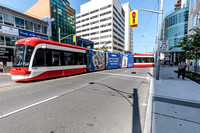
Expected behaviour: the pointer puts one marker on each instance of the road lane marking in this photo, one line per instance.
(29, 106)
(114, 74)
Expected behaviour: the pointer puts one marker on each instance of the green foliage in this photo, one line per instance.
(191, 44)
(128, 52)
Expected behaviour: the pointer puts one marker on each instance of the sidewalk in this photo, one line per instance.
(176, 104)
(4, 74)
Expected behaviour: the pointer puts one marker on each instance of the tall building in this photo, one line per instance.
(194, 15)
(194, 18)
(16, 25)
(102, 21)
(128, 30)
(175, 27)
(63, 14)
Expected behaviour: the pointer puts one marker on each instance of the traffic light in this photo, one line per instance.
(74, 38)
(134, 18)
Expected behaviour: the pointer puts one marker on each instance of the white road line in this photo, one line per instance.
(24, 108)
(122, 75)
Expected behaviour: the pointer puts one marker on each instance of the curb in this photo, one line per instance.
(148, 118)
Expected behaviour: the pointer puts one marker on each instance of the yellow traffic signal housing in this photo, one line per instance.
(134, 18)
(74, 38)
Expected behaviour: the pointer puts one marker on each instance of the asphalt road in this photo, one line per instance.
(111, 101)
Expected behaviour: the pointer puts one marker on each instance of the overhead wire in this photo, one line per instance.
(149, 19)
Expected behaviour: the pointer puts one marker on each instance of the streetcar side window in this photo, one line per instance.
(143, 60)
(39, 59)
(67, 58)
(48, 57)
(55, 58)
(79, 59)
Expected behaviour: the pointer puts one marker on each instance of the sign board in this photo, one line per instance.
(164, 46)
(5, 54)
(112, 60)
(8, 63)
(31, 34)
(126, 60)
(0, 28)
(10, 30)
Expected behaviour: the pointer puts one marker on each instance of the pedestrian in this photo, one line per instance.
(181, 68)
(167, 63)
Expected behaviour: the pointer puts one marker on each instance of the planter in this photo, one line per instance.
(6, 70)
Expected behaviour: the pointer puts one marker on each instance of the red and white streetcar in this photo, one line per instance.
(143, 60)
(40, 59)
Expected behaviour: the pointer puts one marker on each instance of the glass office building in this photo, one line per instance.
(64, 17)
(175, 28)
(63, 14)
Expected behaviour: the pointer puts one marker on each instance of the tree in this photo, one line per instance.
(128, 52)
(191, 45)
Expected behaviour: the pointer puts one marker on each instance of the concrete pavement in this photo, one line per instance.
(175, 104)
(111, 101)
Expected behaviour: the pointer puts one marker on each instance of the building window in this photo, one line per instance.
(102, 20)
(1, 40)
(95, 38)
(103, 31)
(29, 25)
(93, 33)
(1, 17)
(105, 7)
(19, 22)
(94, 11)
(105, 13)
(8, 41)
(85, 30)
(78, 17)
(36, 27)
(94, 28)
(94, 22)
(85, 14)
(44, 29)
(85, 35)
(9, 20)
(94, 17)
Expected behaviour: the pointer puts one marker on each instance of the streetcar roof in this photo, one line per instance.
(144, 55)
(35, 41)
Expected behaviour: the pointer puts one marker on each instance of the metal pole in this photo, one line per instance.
(159, 40)
(59, 35)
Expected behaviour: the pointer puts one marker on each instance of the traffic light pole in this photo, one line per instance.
(159, 35)
(159, 40)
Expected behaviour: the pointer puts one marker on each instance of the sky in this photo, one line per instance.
(144, 35)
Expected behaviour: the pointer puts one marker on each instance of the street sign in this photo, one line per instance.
(164, 47)
(49, 24)
(51, 20)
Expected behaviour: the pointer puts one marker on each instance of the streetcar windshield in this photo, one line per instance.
(22, 55)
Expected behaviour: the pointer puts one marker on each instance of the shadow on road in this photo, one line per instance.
(136, 122)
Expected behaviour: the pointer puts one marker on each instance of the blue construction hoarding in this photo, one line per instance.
(126, 60)
(97, 60)
(112, 60)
